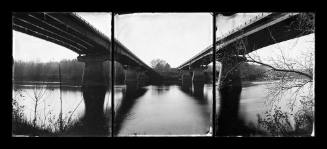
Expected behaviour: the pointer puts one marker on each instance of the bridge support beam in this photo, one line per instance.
(230, 87)
(186, 80)
(198, 80)
(94, 87)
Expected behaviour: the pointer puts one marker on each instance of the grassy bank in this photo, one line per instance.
(21, 127)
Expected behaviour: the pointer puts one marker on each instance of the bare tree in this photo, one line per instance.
(38, 92)
(292, 72)
(293, 79)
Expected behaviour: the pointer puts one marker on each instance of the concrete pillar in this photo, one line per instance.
(186, 80)
(131, 78)
(198, 80)
(230, 87)
(94, 87)
(142, 79)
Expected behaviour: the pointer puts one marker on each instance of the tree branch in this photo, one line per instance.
(283, 70)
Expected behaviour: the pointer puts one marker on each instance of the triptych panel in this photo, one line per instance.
(163, 74)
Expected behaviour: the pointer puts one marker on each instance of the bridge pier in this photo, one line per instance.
(94, 87)
(142, 79)
(230, 87)
(134, 78)
(131, 77)
(186, 80)
(198, 80)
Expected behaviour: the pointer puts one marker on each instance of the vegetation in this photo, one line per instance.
(71, 71)
(47, 123)
(163, 68)
(252, 72)
(249, 72)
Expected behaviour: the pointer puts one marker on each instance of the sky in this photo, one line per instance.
(173, 37)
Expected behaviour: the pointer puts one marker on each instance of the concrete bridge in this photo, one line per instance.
(94, 48)
(262, 31)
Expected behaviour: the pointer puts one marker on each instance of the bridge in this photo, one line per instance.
(71, 31)
(94, 48)
(259, 32)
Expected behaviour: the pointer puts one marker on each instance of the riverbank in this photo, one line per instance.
(24, 128)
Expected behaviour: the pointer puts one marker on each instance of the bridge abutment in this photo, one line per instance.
(94, 87)
(230, 87)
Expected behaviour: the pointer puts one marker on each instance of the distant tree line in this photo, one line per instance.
(163, 68)
(249, 72)
(71, 71)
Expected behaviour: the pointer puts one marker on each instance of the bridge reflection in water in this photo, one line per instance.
(94, 48)
(162, 110)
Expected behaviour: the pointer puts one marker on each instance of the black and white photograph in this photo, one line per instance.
(152, 101)
(265, 73)
(61, 74)
(163, 74)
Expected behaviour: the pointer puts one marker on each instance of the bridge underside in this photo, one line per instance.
(65, 29)
(270, 30)
(71, 31)
(259, 37)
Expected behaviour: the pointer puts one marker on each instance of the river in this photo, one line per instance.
(153, 110)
